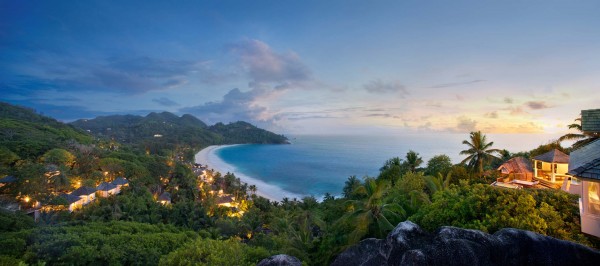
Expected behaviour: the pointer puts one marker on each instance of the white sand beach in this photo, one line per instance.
(207, 156)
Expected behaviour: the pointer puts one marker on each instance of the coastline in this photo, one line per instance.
(208, 156)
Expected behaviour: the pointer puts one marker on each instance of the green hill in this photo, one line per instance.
(167, 130)
(29, 134)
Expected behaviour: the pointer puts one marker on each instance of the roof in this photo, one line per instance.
(165, 196)
(585, 161)
(225, 199)
(120, 181)
(83, 191)
(590, 120)
(553, 156)
(517, 165)
(71, 198)
(8, 179)
(106, 186)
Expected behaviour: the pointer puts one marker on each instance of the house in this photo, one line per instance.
(226, 201)
(551, 168)
(120, 182)
(585, 166)
(75, 202)
(88, 194)
(107, 189)
(518, 168)
(165, 198)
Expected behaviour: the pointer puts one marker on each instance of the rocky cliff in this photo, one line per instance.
(408, 244)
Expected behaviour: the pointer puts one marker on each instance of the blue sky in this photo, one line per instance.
(308, 66)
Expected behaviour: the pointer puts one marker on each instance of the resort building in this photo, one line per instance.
(107, 189)
(227, 201)
(120, 182)
(518, 168)
(165, 198)
(516, 173)
(74, 202)
(585, 166)
(87, 194)
(551, 168)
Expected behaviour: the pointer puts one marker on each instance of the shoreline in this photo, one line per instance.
(208, 157)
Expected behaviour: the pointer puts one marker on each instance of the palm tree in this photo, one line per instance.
(439, 183)
(392, 170)
(480, 152)
(413, 161)
(373, 214)
(581, 137)
(350, 187)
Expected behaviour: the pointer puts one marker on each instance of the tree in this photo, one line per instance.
(61, 181)
(479, 153)
(112, 167)
(413, 161)
(438, 183)
(350, 187)
(59, 157)
(439, 164)
(373, 216)
(581, 137)
(7, 157)
(392, 170)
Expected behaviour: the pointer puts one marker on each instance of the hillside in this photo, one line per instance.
(29, 134)
(169, 129)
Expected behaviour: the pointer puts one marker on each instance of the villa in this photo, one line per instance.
(88, 194)
(551, 168)
(74, 202)
(120, 182)
(226, 201)
(518, 168)
(585, 166)
(107, 189)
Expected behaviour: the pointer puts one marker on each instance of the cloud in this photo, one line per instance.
(235, 106)
(381, 87)
(537, 105)
(493, 114)
(127, 75)
(271, 73)
(454, 84)
(384, 115)
(264, 65)
(508, 100)
(297, 118)
(517, 111)
(70, 112)
(465, 124)
(164, 101)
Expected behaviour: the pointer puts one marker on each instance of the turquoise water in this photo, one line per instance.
(315, 165)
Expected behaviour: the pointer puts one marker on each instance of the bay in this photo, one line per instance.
(319, 164)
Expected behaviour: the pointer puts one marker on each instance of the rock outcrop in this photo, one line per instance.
(408, 244)
(280, 260)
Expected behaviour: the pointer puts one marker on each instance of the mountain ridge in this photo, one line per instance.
(168, 127)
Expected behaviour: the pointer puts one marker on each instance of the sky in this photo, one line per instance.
(308, 67)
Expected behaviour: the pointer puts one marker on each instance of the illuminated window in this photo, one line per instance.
(575, 181)
(594, 198)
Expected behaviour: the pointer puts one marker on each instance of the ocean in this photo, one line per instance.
(319, 164)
